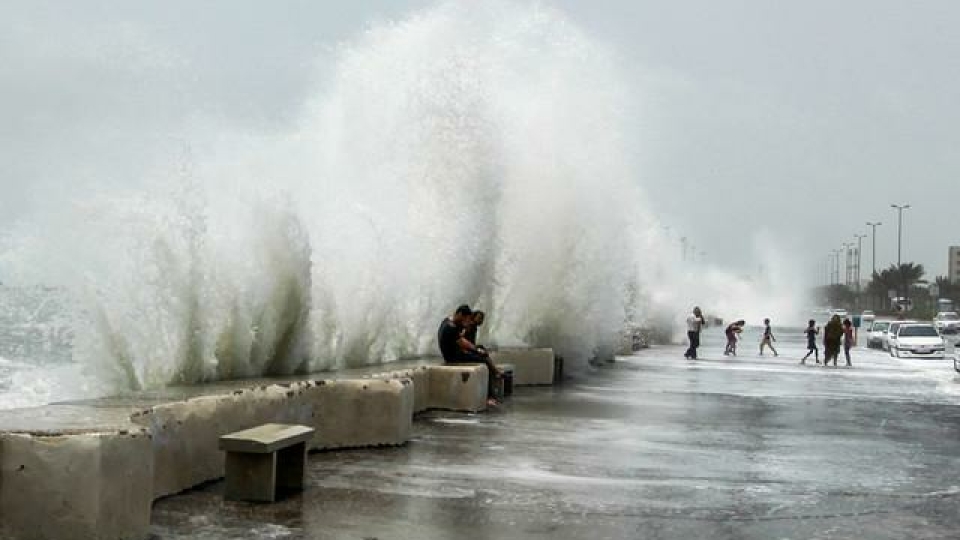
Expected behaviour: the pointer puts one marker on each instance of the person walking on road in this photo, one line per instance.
(731, 332)
(811, 333)
(848, 340)
(695, 323)
(832, 334)
(768, 338)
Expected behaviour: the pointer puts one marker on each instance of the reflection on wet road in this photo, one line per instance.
(653, 446)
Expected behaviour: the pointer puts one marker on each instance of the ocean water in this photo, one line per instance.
(36, 361)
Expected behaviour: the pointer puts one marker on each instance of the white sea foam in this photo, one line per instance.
(478, 152)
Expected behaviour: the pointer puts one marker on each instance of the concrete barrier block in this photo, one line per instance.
(186, 433)
(79, 486)
(362, 412)
(420, 376)
(531, 367)
(458, 387)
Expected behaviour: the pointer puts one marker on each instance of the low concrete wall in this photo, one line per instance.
(345, 413)
(531, 367)
(185, 433)
(459, 388)
(81, 485)
(72, 481)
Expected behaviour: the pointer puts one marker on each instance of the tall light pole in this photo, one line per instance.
(859, 238)
(846, 262)
(900, 208)
(873, 254)
(873, 250)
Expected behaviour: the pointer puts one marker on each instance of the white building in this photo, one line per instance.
(953, 265)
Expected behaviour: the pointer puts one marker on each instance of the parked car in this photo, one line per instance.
(918, 340)
(946, 319)
(875, 334)
(890, 336)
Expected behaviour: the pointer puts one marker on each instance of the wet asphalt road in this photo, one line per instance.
(653, 447)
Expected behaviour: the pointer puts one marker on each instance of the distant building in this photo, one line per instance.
(953, 265)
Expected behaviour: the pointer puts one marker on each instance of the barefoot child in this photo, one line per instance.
(768, 338)
(848, 340)
(811, 333)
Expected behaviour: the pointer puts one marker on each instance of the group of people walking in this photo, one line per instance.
(836, 334)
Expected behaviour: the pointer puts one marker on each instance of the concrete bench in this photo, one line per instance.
(264, 460)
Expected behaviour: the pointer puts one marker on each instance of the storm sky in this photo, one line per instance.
(794, 122)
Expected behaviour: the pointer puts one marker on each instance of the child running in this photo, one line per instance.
(768, 338)
(811, 333)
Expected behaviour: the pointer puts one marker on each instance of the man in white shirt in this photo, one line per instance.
(695, 323)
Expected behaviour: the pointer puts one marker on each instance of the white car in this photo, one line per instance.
(876, 333)
(917, 340)
(890, 335)
(946, 319)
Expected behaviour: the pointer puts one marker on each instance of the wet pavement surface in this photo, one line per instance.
(653, 446)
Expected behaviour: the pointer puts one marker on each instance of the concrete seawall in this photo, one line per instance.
(91, 470)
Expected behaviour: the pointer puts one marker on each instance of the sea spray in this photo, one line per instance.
(471, 153)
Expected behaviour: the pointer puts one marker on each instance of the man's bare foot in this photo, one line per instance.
(493, 403)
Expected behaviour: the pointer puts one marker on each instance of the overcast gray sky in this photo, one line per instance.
(804, 119)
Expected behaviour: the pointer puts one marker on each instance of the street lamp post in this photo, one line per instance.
(873, 250)
(903, 284)
(859, 238)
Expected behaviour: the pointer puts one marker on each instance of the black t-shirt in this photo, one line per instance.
(447, 336)
(811, 337)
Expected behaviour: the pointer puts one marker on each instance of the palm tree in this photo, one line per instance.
(909, 274)
(894, 278)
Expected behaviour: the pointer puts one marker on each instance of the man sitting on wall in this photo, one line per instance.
(473, 326)
(457, 349)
